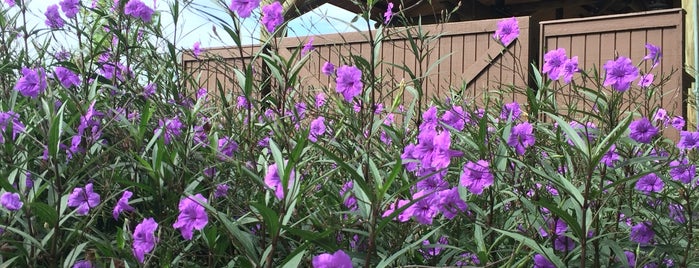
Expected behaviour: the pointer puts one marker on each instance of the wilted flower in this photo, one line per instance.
(122, 204)
(139, 10)
(339, 259)
(620, 73)
(70, 7)
(83, 199)
(272, 16)
(642, 130)
(554, 61)
(192, 215)
(11, 201)
(244, 7)
(53, 18)
(349, 81)
(507, 31)
(149, 89)
(196, 49)
(434, 249)
(307, 47)
(610, 157)
(654, 54)
(677, 213)
(32, 82)
(642, 233)
(476, 176)
(320, 100)
(388, 14)
(144, 238)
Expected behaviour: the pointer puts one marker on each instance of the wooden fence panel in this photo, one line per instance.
(466, 49)
(598, 39)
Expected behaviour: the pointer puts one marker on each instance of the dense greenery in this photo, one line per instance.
(113, 157)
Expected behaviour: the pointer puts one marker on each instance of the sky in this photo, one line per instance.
(196, 26)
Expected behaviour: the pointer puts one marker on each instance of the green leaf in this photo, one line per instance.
(387, 261)
(269, 216)
(45, 213)
(545, 251)
(55, 132)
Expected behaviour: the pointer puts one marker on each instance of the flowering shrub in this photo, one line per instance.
(113, 156)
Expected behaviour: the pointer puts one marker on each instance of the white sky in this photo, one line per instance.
(193, 26)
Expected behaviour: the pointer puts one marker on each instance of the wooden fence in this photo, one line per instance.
(471, 58)
(596, 40)
(466, 53)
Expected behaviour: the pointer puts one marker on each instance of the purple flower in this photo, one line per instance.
(349, 201)
(682, 170)
(646, 80)
(317, 129)
(610, 157)
(83, 199)
(642, 233)
(149, 89)
(192, 215)
(455, 118)
(122, 204)
(83, 264)
(328, 68)
(10, 3)
(650, 183)
(677, 122)
(226, 147)
(274, 181)
(570, 67)
(53, 18)
(642, 130)
(196, 49)
(510, 108)
(630, 258)
(244, 7)
(144, 238)
(308, 47)
(7, 118)
(242, 103)
(425, 209)
(677, 213)
(654, 54)
(521, 137)
(11, 201)
(476, 176)
(450, 203)
(688, 140)
(70, 7)
(435, 249)
(170, 128)
(399, 204)
(272, 16)
(349, 82)
(320, 100)
(139, 10)
(221, 190)
(67, 77)
(388, 14)
(339, 259)
(542, 262)
(620, 73)
(554, 61)
(507, 31)
(32, 82)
